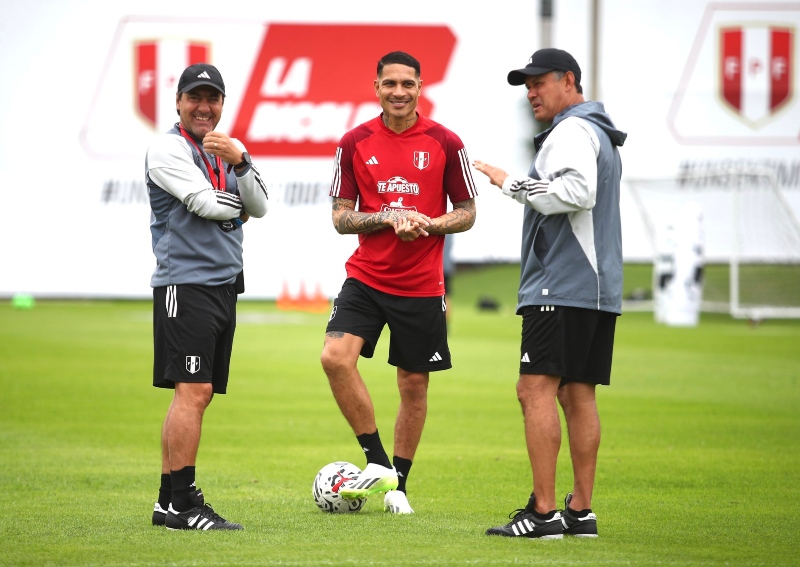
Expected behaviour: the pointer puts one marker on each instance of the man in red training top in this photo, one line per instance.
(392, 179)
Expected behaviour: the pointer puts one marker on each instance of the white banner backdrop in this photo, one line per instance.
(85, 95)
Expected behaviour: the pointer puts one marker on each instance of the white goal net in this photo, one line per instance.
(750, 237)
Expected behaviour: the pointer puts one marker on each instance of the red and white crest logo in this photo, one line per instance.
(739, 85)
(756, 69)
(157, 67)
(422, 159)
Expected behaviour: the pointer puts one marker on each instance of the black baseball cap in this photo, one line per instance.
(544, 61)
(198, 75)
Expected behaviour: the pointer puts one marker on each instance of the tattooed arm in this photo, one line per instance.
(346, 220)
(460, 219)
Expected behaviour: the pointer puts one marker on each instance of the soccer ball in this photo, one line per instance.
(326, 488)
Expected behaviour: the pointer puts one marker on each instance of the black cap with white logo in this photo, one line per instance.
(198, 75)
(544, 61)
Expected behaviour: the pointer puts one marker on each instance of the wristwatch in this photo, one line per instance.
(245, 161)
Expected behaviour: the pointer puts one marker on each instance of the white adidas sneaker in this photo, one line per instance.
(396, 502)
(374, 478)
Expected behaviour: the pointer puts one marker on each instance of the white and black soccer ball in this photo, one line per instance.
(326, 488)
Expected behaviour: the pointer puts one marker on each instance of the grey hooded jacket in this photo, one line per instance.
(194, 234)
(571, 236)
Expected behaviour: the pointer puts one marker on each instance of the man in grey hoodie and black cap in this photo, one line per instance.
(570, 290)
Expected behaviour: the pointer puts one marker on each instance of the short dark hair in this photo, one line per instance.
(400, 57)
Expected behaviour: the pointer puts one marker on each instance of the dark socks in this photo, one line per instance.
(531, 508)
(182, 486)
(165, 491)
(373, 449)
(580, 513)
(402, 466)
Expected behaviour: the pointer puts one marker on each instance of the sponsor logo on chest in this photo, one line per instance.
(398, 184)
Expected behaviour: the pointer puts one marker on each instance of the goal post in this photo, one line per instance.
(750, 237)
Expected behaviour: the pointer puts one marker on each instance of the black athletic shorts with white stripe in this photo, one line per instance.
(573, 343)
(417, 325)
(193, 328)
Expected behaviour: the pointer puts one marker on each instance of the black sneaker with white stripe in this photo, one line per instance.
(578, 524)
(525, 524)
(200, 516)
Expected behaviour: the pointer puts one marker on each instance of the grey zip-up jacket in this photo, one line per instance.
(571, 233)
(191, 240)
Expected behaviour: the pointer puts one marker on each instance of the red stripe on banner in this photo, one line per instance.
(780, 66)
(146, 73)
(197, 53)
(732, 66)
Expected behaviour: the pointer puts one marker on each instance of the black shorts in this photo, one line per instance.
(573, 343)
(193, 327)
(417, 325)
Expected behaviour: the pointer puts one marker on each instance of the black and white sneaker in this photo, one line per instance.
(200, 516)
(524, 524)
(159, 515)
(578, 524)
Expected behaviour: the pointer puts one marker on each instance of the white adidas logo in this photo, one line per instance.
(525, 358)
(204, 75)
(372, 161)
(436, 357)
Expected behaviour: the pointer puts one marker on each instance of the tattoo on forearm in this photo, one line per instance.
(354, 222)
(349, 221)
(461, 218)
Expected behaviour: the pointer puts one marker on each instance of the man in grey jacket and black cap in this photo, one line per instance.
(203, 187)
(570, 291)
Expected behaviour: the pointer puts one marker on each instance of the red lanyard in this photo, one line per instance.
(217, 174)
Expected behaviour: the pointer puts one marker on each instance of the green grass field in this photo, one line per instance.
(698, 464)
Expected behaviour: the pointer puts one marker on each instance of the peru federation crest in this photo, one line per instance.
(755, 69)
(157, 67)
(422, 160)
(193, 364)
